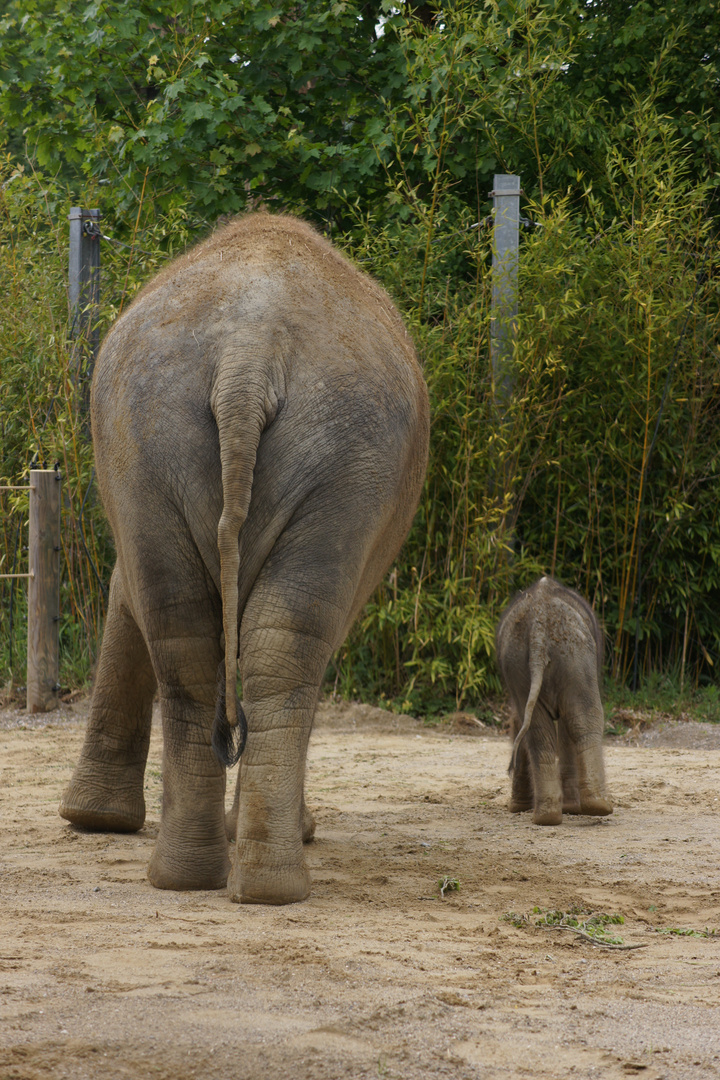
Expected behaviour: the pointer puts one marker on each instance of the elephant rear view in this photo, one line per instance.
(550, 653)
(260, 425)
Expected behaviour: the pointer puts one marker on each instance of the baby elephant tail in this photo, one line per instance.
(537, 671)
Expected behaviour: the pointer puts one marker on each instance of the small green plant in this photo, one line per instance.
(448, 884)
(592, 926)
(679, 931)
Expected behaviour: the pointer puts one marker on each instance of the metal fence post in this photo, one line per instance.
(43, 642)
(84, 292)
(506, 200)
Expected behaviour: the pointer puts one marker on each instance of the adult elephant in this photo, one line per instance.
(260, 425)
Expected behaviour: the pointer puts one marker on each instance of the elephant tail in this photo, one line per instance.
(538, 663)
(243, 403)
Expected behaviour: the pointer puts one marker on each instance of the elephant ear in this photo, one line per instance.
(228, 742)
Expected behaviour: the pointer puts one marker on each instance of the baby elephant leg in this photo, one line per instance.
(542, 750)
(585, 736)
(568, 771)
(521, 794)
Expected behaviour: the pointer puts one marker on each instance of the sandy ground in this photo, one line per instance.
(375, 975)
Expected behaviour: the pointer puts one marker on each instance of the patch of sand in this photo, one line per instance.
(374, 975)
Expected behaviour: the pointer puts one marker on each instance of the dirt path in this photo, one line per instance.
(375, 975)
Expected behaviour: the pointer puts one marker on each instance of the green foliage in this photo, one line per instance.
(37, 414)
(632, 460)
(667, 48)
(593, 925)
(602, 467)
(43, 388)
(214, 103)
(677, 931)
(659, 695)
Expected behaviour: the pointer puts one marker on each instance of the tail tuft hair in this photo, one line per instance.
(228, 742)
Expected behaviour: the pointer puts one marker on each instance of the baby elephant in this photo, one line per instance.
(550, 654)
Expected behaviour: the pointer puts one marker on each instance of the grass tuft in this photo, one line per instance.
(448, 884)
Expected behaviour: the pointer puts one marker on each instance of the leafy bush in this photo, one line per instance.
(601, 468)
(43, 404)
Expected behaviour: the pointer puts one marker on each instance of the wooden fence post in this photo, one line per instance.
(43, 639)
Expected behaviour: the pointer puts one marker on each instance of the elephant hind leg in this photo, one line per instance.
(289, 627)
(568, 771)
(588, 751)
(594, 799)
(191, 851)
(307, 818)
(272, 819)
(542, 750)
(106, 789)
(521, 792)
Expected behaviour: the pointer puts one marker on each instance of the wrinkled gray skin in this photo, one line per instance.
(260, 425)
(550, 654)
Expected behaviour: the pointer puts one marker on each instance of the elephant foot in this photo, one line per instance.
(187, 875)
(595, 806)
(257, 879)
(518, 806)
(570, 795)
(105, 806)
(548, 812)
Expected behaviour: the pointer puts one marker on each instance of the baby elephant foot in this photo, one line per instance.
(259, 878)
(518, 806)
(570, 796)
(548, 811)
(595, 806)
(107, 801)
(548, 796)
(547, 817)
